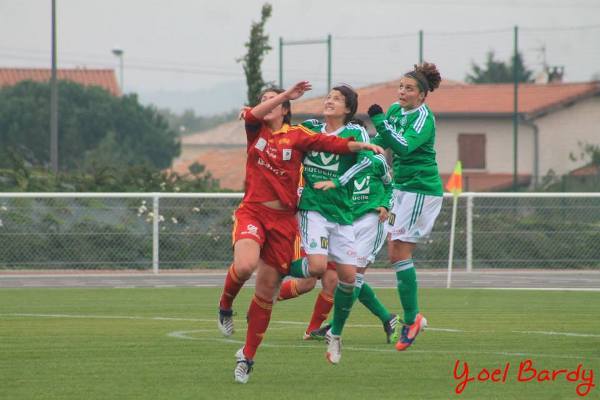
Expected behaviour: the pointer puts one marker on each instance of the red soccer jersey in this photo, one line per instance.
(275, 158)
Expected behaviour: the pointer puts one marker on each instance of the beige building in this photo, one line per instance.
(474, 124)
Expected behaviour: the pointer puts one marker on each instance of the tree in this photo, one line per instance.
(496, 71)
(258, 46)
(92, 124)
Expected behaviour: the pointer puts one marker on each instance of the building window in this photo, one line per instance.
(471, 150)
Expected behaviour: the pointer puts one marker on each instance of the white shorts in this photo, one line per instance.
(320, 236)
(412, 216)
(370, 236)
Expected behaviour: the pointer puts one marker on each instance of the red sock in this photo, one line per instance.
(259, 315)
(323, 306)
(232, 287)
(288, 290)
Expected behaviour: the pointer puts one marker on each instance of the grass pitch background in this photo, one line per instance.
(164, 344)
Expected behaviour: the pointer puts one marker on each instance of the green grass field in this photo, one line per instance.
(164, 344)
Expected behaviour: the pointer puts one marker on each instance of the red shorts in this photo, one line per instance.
(276, 231)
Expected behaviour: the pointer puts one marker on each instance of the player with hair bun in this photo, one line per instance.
(408, 129)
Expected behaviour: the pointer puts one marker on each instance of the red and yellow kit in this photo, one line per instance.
(273, 172)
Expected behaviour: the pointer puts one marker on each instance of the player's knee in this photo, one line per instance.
(329, 282)
(306, 285)
(317, 268)
(245, 268)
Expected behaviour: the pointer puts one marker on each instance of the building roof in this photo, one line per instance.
(105, 78)
(587, 170)
(228, 165)
(231, 133)
(472, 100)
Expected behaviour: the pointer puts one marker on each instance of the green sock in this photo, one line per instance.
(342, 304)
(359, 279)
(369, 300)
(299, 268)
(407, 288)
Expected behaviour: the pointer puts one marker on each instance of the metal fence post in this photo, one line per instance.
(155, 242)
(469, 233)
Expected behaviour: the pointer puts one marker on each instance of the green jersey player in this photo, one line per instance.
(408, 129)
(326, 212)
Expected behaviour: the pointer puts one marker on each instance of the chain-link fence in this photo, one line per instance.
(172, 231)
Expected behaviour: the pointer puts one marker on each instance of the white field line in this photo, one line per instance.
(186, 335)
(133, 317)
(129, 317)
(558, 333)
(559, 289)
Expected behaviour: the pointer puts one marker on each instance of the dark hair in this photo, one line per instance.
(287, 118)
(351, 98)
(358, 121)
(427, 76)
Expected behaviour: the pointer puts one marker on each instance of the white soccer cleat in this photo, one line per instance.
(334, 347)
(225, 322)
(242, 370)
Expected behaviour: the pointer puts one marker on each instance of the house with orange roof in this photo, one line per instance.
(474, 124)
(104, 78)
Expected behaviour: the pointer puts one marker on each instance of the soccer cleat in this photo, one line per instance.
(410, 332)
(334, 347)
(225, 322)
(390, 329)
(319, 334)
(242, 370)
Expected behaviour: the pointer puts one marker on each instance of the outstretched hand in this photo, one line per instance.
(298, 90)
(355, 147)
(324, 185)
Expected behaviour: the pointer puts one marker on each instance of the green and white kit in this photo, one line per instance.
(326, 217)
(417, 195)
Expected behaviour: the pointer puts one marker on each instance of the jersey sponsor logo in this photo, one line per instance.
(324, 242)
(286, 154)
(272, 152)
(392, 219)
(362, 186)
(251, 230)
(403, 120)
(261, 144)
(268, 166)
(326, 161)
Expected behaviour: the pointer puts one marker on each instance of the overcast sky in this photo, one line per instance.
(191, 45)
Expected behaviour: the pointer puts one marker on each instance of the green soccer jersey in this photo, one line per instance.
(333, 204)
(411, 136)
(372, 188)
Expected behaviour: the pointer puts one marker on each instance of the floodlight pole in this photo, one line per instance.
(302, 42)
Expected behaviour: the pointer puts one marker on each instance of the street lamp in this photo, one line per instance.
(118, 52)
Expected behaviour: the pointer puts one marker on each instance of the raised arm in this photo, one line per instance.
(293, 93)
